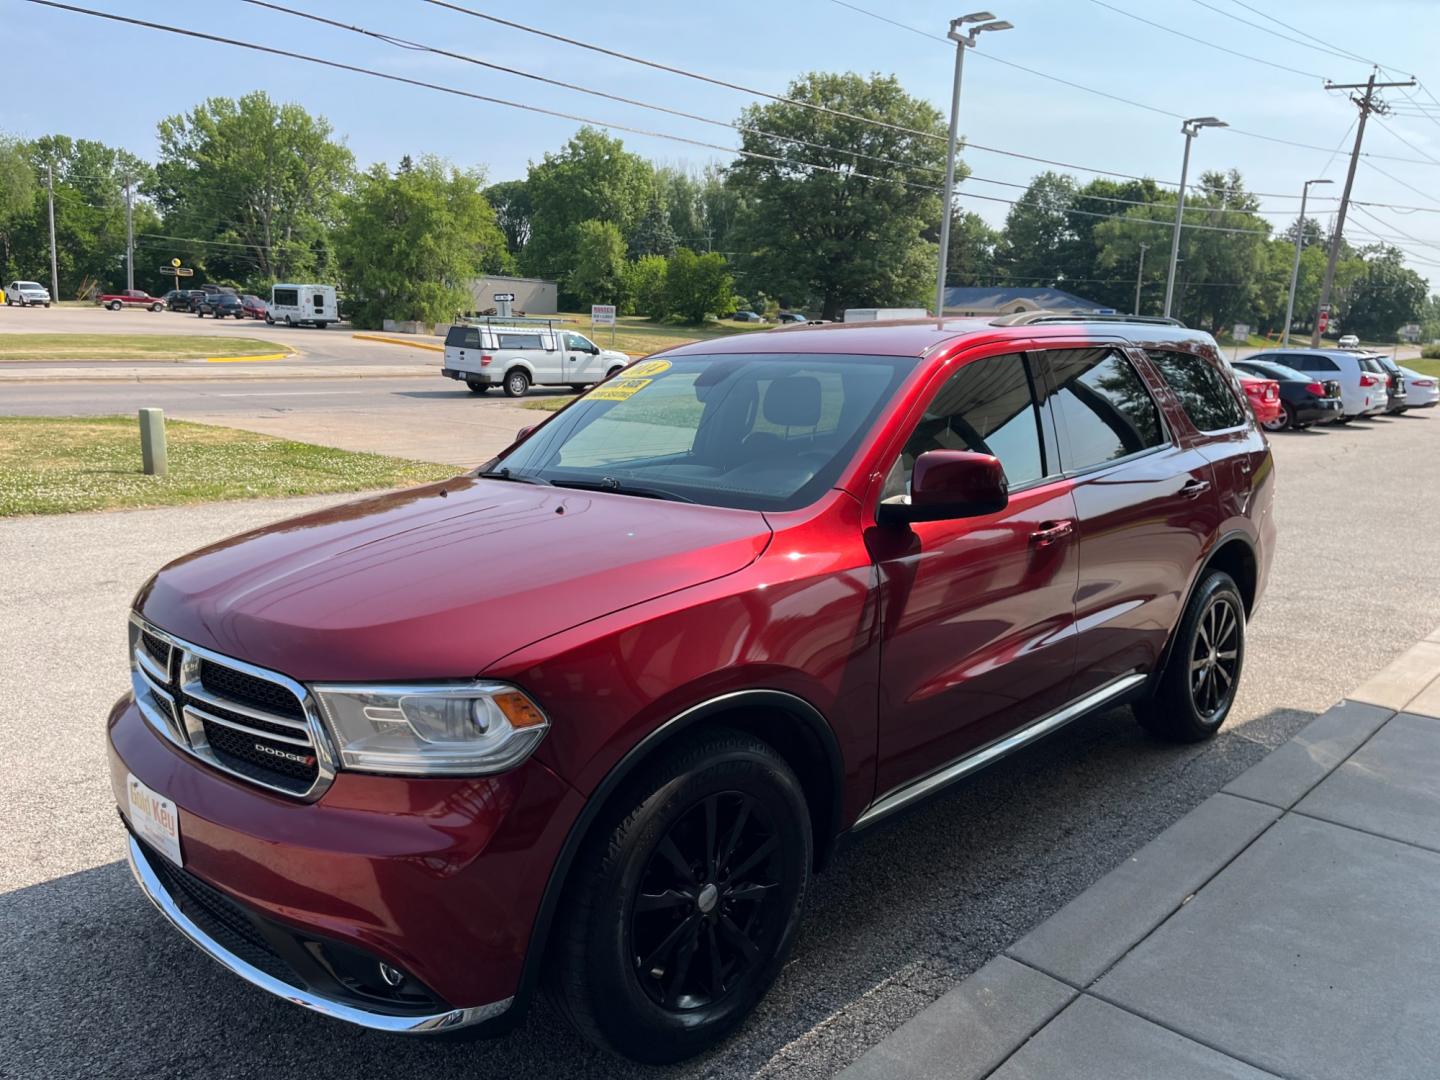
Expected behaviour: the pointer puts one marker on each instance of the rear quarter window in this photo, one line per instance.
(1203, 392)
(519, 341)
(462, 337)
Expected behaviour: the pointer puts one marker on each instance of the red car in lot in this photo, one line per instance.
(592, 715)
(136, 298)
(1264, 398)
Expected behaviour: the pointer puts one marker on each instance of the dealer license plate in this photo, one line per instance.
(155, 820)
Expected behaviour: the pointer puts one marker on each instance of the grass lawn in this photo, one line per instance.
(54, 465)
(130, 347)
(1427, 367)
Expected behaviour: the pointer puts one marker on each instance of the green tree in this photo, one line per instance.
(1038, 231)
(1384, 298)
(412, 242)
(17, 199)
(645, 286)
(697, 286)
(653, 233)
(593, 179)
(973, 247)
(263, 179)
(510, 200)
(599, 273)
(849, 229)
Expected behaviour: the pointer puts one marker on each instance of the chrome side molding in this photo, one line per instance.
(962, 767)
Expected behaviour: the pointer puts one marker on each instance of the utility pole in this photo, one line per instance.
(129, 235)
(1299, 246)
(54, 265)
(1367, 104)
(962, 41)
(1139, 273)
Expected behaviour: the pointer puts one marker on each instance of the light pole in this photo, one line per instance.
(1295, 271)
(1190, 128)
(962, 41)
(1139, 273)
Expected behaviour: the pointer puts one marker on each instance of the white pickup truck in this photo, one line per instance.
(520, 353)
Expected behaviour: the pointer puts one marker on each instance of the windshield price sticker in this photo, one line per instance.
(647, 370)
(619, 389)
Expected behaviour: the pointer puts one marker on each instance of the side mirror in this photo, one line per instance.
(947, 484)
(524, 431)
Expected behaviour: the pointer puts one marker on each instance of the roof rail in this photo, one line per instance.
(1029, 318)
(511, 320)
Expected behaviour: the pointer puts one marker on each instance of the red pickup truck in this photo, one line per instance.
(130, 298)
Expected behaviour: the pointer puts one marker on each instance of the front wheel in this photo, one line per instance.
(114, 305)
(157, 307)
(1198, 685)
(516, 383)
(684, 902)
(613, 372)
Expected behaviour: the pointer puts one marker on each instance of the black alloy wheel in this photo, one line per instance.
(1215, 658)
(706, 914)
(684, 901)
(1192, 694)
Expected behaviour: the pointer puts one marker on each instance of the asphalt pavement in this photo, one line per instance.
(100, 987)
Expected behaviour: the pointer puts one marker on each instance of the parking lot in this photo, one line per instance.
(101, 987)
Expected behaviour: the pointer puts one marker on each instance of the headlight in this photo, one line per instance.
(468, 729)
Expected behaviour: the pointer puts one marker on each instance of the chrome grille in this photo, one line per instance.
(258, 725)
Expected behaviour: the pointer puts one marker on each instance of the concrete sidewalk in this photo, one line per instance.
(1289, 926)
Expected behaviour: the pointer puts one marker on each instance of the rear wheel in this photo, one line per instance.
(684, 903)
(1286, 419)
(477, 387)
(1198, 684)
(516, 383)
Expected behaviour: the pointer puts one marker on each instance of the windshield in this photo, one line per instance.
(761, 432)
(29, 285)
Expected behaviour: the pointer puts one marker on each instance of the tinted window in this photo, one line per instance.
(287, 297)
(987, 406)
(463, 337)
(1203, 391)
(1272, 371)
(519, 341)
(1312, 363)
(1102, 406)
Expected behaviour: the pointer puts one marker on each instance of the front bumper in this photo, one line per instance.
(440, 878)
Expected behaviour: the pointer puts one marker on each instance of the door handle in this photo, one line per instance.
(1050, 532)
(1195, 488)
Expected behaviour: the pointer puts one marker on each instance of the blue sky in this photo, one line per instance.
(72, 74)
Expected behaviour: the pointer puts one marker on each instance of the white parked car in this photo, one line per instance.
(520, 353)
(1349, 341)
(26, 293)
(1362, 380)
(1424, 390)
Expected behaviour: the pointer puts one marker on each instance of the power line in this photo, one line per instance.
(1283, 37)
(1404, 140)
(1202, 41)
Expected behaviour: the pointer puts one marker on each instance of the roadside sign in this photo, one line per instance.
(1324, 317)
(177, 271)
(602, 315)
(504, 297)
(175, 263)
(1240, 332)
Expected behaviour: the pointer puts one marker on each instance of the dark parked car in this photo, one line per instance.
(786, 317)
(1396, 390)
(220, 305)
(747, 316)
(373, 776)
(178, 299)
(1304, 399)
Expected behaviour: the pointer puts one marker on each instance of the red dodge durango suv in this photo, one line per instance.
(590, 716)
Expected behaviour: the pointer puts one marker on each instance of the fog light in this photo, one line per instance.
(392, 977)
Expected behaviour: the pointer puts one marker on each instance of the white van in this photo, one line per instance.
(520, 353)
(303, 305)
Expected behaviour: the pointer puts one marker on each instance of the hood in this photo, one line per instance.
(439, 582)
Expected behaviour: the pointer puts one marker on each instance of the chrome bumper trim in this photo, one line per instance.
(151, 886)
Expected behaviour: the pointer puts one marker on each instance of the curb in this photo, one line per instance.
(260, 358)
(200, 373)
(1012, 1002)
(427, 346)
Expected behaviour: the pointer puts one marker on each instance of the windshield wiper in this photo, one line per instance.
(615, 486)
(515, 478)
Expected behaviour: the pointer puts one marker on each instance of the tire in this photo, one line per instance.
(613, 372)
(289, 322)
(47, 304)
(477, 388)
(637, 978)
(269, 321)
(1193, 696)
(319, 326)
(578, 388)
(199, 314)
(157, 307)
(1286, 419)
(114, 305)
(1343, 420)
(516, 383)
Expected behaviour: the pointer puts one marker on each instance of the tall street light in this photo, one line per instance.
(1190, 128)
(1299, 244)
(1139, 274)
(963, 41)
